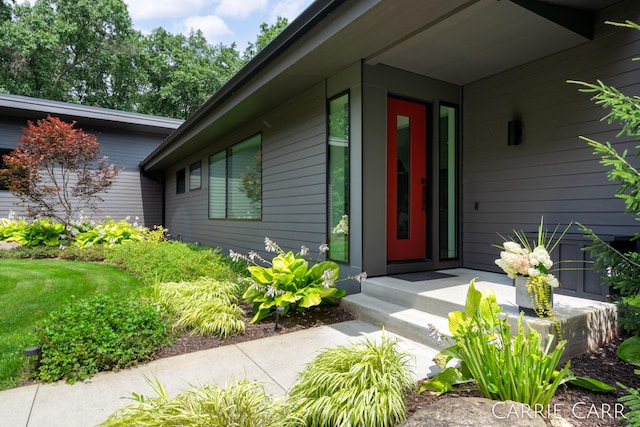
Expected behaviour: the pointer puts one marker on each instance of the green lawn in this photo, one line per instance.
(30, 289)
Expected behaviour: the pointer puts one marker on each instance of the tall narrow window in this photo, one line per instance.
(244, 179)
(180, 181)
(195, 180)
(338, 178)
(403, 202)
(235, 181)
(448, 193)
(218, 185)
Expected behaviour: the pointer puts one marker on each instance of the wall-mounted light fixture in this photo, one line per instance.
(514, 132)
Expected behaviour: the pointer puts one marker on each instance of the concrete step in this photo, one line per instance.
(420, 326)
(415, 309)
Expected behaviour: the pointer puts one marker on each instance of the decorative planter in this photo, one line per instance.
(526, 302)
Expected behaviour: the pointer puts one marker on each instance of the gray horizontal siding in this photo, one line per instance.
(293, 183)
(553, 173)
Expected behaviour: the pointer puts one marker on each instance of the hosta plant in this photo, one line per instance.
(288, 281)
(362, 384)
(111, 232)
(505, 366)
(31, 233)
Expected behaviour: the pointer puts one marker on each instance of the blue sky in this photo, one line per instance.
(221, 21)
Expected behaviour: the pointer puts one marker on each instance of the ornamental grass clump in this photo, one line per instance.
(358, 385)
(242, 404)
(205, 306)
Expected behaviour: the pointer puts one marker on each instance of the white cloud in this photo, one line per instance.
(151, 9)
(211, 26)
(240, 9)
(289, 9)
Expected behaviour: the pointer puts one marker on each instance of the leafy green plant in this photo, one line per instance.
(37, 232)
(10, 226)
(99, 334)
(629, 351)
(362, 384)
(206, 306)
(504, 367)
(287, 281)
(169, 261)
(108, 232)
(243, 404)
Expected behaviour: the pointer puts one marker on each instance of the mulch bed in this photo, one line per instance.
(293, 321)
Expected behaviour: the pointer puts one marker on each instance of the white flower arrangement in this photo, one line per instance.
(517, 260)
(533, 261)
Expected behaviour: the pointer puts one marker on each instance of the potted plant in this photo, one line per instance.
(529, 264)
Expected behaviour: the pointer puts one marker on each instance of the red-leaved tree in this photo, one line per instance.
(55, 170)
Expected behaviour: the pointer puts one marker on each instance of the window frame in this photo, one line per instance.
(454, 199)
(347, 178)
(181, 181)
(193, 167)
(227, 155)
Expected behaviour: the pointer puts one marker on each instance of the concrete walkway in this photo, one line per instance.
(273, 361)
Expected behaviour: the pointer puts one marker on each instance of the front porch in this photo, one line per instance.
(413, 304)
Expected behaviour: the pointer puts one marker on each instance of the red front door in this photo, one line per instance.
(406, 180)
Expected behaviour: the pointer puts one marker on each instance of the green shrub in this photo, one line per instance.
(243, 404)
(99, 334)
(33, 252)
(205, 306)
(358, 385)
(154, 262)
(90, 253)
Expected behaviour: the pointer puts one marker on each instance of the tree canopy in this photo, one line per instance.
(87, 52)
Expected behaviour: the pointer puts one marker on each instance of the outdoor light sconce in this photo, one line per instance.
(34, 351)
(514, 132)
(279, 312)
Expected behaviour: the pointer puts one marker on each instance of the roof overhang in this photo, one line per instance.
(35, 108)
(458, 41)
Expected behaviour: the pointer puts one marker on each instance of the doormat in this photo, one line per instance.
(421, 276)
